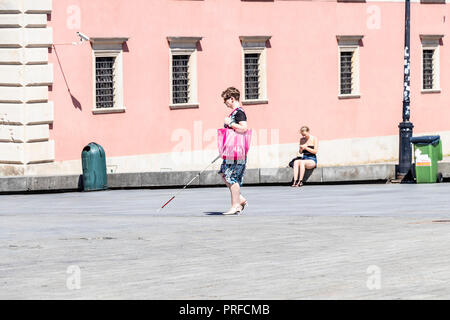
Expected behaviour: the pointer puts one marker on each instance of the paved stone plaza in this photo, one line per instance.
(379, 241)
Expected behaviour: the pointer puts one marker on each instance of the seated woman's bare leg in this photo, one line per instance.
(305, 164)
(296, 172)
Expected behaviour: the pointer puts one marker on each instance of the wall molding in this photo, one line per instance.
(25, 74)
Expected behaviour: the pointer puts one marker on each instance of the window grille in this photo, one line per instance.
(251, 76)
(180, 79)
(346, 72)
(104, 82)
(428, 69)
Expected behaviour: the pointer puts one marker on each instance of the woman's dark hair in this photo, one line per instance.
(304, 128)
(231, 92)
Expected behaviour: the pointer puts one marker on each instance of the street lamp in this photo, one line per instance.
(405, 150)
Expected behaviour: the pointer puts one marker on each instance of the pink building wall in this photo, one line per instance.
(302, 70)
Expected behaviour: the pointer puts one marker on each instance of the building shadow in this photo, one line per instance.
(75, 102)
(80, 183)
(307, 175)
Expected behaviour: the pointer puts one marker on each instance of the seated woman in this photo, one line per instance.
(306, 156)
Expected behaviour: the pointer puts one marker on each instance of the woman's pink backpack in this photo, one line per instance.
(233, 145)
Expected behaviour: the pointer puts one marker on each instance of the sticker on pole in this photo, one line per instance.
(422, 160)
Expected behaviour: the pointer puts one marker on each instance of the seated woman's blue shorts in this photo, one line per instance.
(307, 157)
(233, 171)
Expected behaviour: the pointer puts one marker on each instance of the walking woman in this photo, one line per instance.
(232, 171)
(306, 157)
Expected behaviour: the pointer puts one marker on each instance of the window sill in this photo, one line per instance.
(108, 110)
(183, 106)
(349, 96)
(259, 101)
(433, 1)
(431, 91)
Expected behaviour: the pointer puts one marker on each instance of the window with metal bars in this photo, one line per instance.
(104, 82)
(252, 76)
(428, 68)
(180, 79)
(346, 73)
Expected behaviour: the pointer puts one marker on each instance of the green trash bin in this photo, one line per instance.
(93, 161)
(427, 153)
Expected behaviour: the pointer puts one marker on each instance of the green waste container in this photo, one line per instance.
(93, 161)
(427, 152)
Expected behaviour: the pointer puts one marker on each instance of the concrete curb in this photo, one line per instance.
(373, 172)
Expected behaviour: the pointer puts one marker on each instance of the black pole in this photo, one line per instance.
(405, 150)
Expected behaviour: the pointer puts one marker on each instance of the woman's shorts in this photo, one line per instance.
(233, 171)
(305, 157)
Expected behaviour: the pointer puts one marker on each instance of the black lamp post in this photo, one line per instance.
(406, 126)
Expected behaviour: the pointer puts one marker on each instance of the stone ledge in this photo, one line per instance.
(359, 173)
(40, 183)
(285, 175)
(374, 172)
(444, 168)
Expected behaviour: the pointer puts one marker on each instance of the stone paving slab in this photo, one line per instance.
(315, 242)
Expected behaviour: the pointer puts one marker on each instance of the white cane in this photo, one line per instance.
(198, 175)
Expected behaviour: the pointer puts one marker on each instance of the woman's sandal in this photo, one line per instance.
(297, 183)
(234, 210)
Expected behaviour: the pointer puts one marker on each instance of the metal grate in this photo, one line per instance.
(252, 76)
(180, 79)
(428, 69)
(346, 72)
(104, 82)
